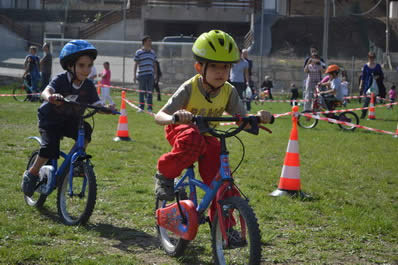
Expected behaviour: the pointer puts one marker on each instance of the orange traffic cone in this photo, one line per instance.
(289, 183)
(122, 133)
(371, 115)
(99, 88)
(396, 132)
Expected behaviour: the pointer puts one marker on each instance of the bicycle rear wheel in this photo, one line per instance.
(307, 122)
(243, 234)
(172, 244)
(37, 199)
(350, 117)
(76, 203)
(20, 93)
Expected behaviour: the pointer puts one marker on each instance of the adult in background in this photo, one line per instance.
(32, 68)
(157, 88)
(93, 74)
(144, 61)
(369, 71)
(245, 55)
(313, 69)
(45, 66)
(239, 74)
(314, 50)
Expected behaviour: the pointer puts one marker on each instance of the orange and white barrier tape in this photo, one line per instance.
(136, 107)
(12, 95)
(345, 123)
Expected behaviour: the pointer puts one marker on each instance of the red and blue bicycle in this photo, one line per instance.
(235, 232)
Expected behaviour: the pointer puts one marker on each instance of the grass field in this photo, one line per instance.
(352, 176)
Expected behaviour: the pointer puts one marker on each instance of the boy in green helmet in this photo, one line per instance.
(208, 94)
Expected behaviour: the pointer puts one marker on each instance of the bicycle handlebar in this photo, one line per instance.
(202, 122)
(96, 108)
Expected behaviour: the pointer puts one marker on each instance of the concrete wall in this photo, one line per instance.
(10, 41)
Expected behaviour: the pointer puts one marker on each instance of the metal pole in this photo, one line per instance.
(260, 72)
(388, 34)
(124, 38)
(325, 31)
(352, 75)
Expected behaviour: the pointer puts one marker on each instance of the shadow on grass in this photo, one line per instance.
(129, 237)
(50, 214)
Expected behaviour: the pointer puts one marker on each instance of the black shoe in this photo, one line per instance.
(29, 183)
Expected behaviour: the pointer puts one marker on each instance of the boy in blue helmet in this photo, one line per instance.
(56, 119)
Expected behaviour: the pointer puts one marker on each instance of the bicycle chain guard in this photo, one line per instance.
(171, 219)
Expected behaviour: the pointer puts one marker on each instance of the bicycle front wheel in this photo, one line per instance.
(20, 93)
(307, 122)
(350, 117)
(37, 199)
(243, 233)
(76, 200)
(172, 244)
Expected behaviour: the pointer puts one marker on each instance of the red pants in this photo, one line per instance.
(190, 146)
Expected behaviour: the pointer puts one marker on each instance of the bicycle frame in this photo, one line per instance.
(217, 189)
(69, 159)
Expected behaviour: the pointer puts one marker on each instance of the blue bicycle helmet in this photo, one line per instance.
(73, 50)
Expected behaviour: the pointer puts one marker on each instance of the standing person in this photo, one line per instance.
(295, 94)
(144, 61)
(245, 55)
(32, 68)
(157, 88)
(57, 120)
(370, 70)
(313, 69)
(314, 50)
(240, 73)
(46, 66)
(267, 85)
(106, 80)
(392, 94)
(208, 93)
(92, 75)
(344, 89)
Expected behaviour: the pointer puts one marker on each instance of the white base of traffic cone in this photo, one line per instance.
(118, 139)
(291, 193)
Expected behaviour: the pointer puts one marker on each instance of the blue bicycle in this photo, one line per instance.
(74, 178)
(235, 231)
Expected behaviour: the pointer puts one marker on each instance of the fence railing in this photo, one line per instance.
(253, 4)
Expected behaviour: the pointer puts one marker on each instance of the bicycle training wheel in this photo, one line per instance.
(350, 117)
(243, 234)
(172, 244)
(307, 122)
(37, 200)
(20, 93)
(76, 202)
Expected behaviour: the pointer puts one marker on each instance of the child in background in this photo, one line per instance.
(392, 94)
(295, 94)
(208, 93)
(106, 80)
(333, 93)
(344, 89)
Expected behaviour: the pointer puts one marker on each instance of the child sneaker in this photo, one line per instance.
(164, 187)
(28, 184)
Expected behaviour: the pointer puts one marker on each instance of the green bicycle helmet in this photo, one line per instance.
(216, 46)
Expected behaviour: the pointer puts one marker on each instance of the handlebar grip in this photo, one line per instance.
(175, 119)
(272, 119)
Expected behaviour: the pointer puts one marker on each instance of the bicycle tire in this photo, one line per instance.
(20, 93)
(77, 212)
(348, 116)
(306, 122)
(173, 245)
(37, 200)
(237, 255)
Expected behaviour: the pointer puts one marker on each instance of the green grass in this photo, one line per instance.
(352, 176)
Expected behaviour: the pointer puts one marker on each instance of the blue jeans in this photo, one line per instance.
(146, 83)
